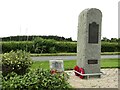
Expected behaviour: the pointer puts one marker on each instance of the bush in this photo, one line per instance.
(18, 62)
(38, 79)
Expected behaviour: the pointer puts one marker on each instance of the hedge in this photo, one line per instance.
(110, 47)
(50, 46)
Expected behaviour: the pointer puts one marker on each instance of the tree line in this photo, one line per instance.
(58, 38)
(32, 37)
(110, 40)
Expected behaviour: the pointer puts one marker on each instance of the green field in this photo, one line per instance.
(69, 65)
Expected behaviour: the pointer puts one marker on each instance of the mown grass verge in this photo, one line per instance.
(72, 54)
(110, 53)
(54, 54)
(68, 54)
(69, 65)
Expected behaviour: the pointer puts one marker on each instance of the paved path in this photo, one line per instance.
(46, 58)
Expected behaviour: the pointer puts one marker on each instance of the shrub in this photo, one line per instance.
(18, 62)
(38, 79)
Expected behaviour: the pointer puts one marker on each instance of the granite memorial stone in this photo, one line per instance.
(89, 40)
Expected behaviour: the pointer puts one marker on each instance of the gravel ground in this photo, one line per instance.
(108, 80)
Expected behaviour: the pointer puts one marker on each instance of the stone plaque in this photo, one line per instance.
(92, 61)
(56, 65)
(93, 32)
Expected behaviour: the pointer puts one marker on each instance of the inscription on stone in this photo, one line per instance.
(93, 32)
(92, 61)
(56, 65)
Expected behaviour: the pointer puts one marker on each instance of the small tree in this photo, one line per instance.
(44, 45)
(39, 45)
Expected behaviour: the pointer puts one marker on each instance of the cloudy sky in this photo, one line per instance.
(54, 17)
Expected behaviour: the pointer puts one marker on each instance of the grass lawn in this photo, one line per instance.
(55, 54)
(71, 54)
(68, 65)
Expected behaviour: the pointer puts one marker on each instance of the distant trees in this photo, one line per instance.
(110, 40)
(30, 38)
(57, 38)
(105, 39)
(114, 40)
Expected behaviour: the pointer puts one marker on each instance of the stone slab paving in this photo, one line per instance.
(108, 80)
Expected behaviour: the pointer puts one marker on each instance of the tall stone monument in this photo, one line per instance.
(89, 40)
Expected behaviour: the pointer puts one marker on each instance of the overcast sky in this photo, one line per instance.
(54, 17)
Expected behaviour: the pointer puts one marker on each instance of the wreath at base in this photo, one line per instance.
(80, 70)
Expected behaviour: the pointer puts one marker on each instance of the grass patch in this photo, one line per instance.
(68, 65)
(68, 54)
(72, 54)
(110, 53)
(109, 63)
(54, 54)
(39, 64)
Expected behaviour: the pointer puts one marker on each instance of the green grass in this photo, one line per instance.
(54, 54)
(110, 63)
(71, 54)
(38, 64)
(68, 65)
(110, 53)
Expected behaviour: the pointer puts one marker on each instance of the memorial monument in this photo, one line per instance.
(89, 42)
